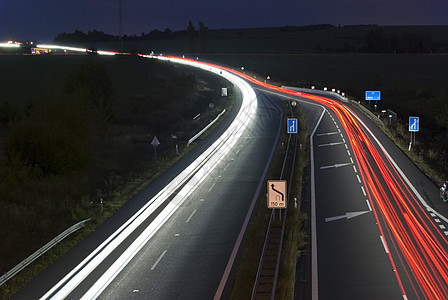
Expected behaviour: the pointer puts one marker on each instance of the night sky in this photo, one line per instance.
(43, 20)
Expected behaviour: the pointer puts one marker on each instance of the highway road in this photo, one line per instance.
(378, 230)
(188, 256)
(195, 245)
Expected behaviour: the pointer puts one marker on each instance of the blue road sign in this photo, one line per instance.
(292, 125)
(413, 124)
(373, 95)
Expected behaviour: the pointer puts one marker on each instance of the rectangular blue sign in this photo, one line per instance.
(373, 95)
(292, 125)
(413, 123)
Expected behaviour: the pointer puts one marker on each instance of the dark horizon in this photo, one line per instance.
(43, 22)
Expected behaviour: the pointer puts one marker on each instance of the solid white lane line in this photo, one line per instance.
(158, 260)
(211, 188)
(314, 260)
(384, 244)
(191, 216)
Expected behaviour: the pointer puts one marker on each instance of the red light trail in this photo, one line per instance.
(418, 245)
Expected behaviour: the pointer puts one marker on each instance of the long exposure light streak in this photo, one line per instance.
(419, 246)
(417, 249)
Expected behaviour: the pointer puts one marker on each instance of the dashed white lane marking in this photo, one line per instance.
(158, 260)
(348, 151)
(343, 140)
(359, 179)
(351, 159)
(225, 168)
(437, 220)
(442, 226)
(433, 214)
(213, 185)
(191, 216)
(384, 244)
(354, 169)
(363, 191)
(368, 204)
(445, 232)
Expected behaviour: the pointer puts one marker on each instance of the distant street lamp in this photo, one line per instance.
(242, 69)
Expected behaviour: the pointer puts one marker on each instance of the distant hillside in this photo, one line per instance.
(324, 38)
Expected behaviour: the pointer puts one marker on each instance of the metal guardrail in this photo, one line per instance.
(11, 273)
(205, 129)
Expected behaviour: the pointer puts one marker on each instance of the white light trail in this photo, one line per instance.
(192, 176)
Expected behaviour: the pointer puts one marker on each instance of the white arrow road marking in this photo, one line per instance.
(330, 144)
(329, 133)
(335, 166)
(348, 216)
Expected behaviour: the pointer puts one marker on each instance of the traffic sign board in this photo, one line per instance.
(373, 95)
(155, 142)
(413, 124)
(276, 193)
(292, 126)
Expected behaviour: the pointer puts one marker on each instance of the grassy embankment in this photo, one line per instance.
(295, 237)
(66, 142)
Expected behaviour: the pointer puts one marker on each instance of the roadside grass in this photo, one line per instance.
(295, 237)
(431, 162)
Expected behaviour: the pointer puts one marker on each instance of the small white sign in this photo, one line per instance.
(155, 142)
(224, 92)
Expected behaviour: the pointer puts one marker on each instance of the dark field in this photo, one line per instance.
(59, 153)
